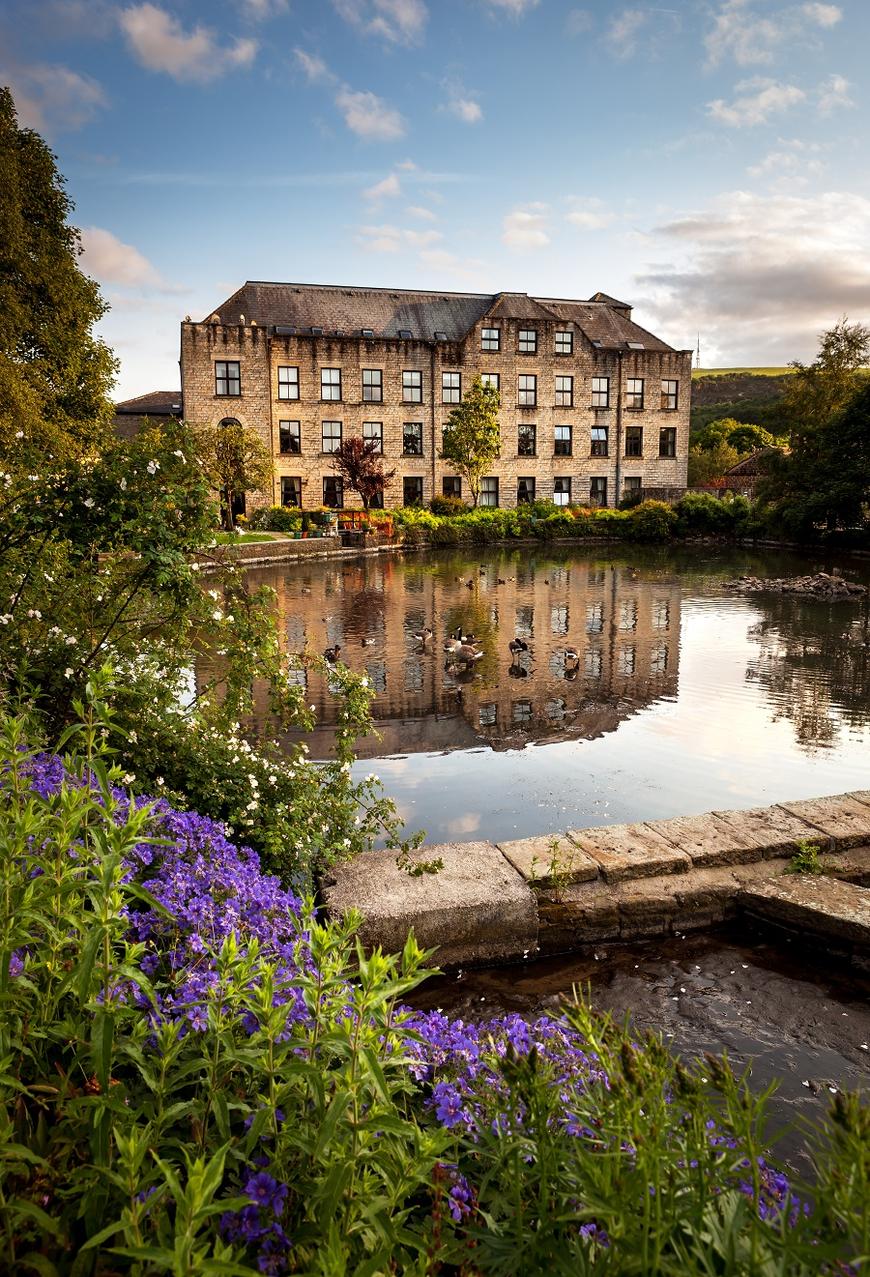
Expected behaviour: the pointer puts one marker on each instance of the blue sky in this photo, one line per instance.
(707, 161)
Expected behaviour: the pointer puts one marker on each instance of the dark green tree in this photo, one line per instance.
(471, 437)
(236, 461)
(55, 375)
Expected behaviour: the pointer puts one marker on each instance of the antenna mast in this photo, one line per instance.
(698, 352)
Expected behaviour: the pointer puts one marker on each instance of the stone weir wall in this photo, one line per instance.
(497, 902)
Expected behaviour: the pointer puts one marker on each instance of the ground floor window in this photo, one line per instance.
(376, 500)
(525, 491)
(631, 484)
(412, 490)
(451, 486)
(561, 492)
(489, 491)
(291, 490)
(333, 492)
(598, 491)
(634, 441)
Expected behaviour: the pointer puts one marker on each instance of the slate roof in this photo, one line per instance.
(391, 311)
(157, 403)
(754, 463)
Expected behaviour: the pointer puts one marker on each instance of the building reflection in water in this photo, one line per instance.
(602, 637)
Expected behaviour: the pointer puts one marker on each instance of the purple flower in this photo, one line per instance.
(448, 1104)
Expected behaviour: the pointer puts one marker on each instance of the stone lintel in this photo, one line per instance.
(477, 909)
(841, 817)
(708, 839)
(630, 851)
(549, 858)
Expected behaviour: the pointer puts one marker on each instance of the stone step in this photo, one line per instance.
(841, 817)
(816, 905)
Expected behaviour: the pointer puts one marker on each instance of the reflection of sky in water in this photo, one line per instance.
(755, 700)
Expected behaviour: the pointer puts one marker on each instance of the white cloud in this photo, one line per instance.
(792, 160)
(824, 15)
(526, 227)
(369, 116)
(395, 239)
(834, 95)
(466, 269)
(761, 275)
(590, 214)
(315, 69)
(406, 166)
(757, 100)
(388, 188)
(160, 43)
(424, 214)
(462, 102)
(260, 10)
(514, 8)
(396, 21)
(51, 98)
(752, 39)
(623, 31)
(110, 261)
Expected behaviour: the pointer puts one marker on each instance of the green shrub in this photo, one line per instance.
(651, 521)
(276, 518)
(702, 514)
(446, 507)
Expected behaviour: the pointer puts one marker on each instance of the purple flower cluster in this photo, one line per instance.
(257, 1226)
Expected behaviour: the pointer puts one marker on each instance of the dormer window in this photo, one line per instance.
(490, 339)
(367, 332)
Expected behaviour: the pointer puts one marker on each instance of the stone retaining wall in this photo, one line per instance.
(495, 902)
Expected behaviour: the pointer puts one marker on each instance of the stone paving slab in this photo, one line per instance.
(842, 817)
(815, 904)
(630, 851)
(773, 830)
(476, 909)
(540, 863)
(708, 839)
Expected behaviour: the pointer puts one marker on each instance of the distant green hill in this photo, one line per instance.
(747, 394)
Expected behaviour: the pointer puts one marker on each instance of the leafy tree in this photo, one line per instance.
(707, 464)
(745, 436)
(360, 464)
(55, 376)
(236, 461)
(825, 479)
(471, 438)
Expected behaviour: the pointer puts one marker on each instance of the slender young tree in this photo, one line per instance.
(361, 466)
(55, 376)
(472, 440)
(236, 461)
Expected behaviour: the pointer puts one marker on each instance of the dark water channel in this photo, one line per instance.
(684, 698)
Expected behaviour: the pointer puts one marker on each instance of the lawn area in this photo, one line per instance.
(242, 538)
(749, 372)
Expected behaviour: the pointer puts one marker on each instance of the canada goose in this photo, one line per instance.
(463, 638)
(424, 637)
(571, 654)
(517, 645)
(331, 653)
(369, 642)
(466, 654)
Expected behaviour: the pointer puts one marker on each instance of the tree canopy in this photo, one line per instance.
(471, 437)
(235, 460)
(55, 375)
(360, 464)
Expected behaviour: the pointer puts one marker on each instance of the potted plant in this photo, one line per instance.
(306, 524)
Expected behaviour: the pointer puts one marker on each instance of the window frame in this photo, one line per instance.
(562, 478)
(488, 505)
(289, 383)
(228, 379)
(524, 346)
(372, 386)
(417, 426)
(330, 385)
(668, 453)
(526, 391)
(595, 445)
(323, 436)
(600, 479)
(496, 384)
(563, 332)
(559, 450)
(597, 393)
(455, 483)
(632, 433)
(451, 393)
(564, 398)
(291, 479)
(289, 451)
(412, 393)
(634, 398)
(417, 480)
(670, 394)
(379, 436)
(529, 497)
(486, 339)
(522, 426)
(337, 480)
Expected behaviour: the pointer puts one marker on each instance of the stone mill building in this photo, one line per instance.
(593, 407)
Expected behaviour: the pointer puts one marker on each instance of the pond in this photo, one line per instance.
(682, 698)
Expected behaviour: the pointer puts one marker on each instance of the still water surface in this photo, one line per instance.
(683, 697)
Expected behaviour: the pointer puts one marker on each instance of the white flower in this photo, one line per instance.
(178, 453)
(19, 434)
(5, 618)
(364, 681)
(34, 613)
(252, 805)
(89, 502)
(159, 780)
(152, 467)
(70, 640)
(218, 614)
(123, 485)
(68, 672)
